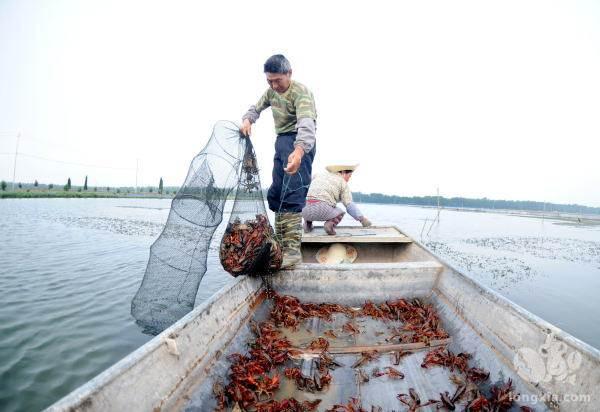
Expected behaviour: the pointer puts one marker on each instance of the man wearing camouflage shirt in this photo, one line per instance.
(295, 116)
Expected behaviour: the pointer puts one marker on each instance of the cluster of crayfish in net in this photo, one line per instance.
(250, 248)
(421, 322)
(254, 378)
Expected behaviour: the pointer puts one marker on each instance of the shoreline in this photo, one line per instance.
(565, 218)
(80, 195)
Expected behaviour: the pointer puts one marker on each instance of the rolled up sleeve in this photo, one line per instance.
(253, 112)
(306, 134)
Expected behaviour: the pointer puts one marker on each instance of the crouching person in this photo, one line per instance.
(325, 191)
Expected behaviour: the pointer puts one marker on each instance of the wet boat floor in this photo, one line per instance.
(346, 383)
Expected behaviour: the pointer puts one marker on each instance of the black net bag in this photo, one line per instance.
(248, 246)
(178, 257)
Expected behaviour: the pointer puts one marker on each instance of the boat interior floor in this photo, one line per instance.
(355, 376)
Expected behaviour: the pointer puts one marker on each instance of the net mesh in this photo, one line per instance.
(248, 245)
(178, 258)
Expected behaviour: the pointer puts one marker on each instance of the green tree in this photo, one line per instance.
(118, 190)
(107, 188)
(85, 184)
(3, 185)
(68, 185)
(51, 186)
(35, 183)
(150, 189)
(79, 189)
(20, 185)
(160, 186)
(95, 189)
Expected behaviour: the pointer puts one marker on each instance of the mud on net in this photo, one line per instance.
(177, 261)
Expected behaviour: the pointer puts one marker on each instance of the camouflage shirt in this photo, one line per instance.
(292, 110)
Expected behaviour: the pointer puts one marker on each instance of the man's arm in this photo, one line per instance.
(253, 113)
(352, 208)
(305, 137)
(305, 141)
(306, 126)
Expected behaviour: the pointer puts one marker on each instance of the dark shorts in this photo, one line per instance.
(288, 192)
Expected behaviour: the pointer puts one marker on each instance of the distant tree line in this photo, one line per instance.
(484, 203)
(162, 189)
(453, 202)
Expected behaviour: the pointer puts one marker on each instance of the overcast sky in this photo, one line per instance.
(497, 99)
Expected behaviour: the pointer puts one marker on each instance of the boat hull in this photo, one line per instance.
(176, 370)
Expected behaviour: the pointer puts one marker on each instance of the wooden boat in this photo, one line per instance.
(177, 369)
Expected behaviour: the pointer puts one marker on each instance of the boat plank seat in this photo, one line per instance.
(357, 234)
(374, 245)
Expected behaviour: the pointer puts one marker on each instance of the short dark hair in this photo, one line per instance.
(277, 64)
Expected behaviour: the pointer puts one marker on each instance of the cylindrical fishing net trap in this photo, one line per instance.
(178, 257)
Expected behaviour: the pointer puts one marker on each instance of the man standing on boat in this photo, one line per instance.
(295, 116)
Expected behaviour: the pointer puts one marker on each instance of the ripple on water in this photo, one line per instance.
(66, 292)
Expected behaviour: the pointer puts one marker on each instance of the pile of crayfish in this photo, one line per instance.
(250, 248)
(288, 311)
(501, 397)
(254, 378)
(421, 321)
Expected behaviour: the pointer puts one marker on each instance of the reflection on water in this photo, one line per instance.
(69, 268)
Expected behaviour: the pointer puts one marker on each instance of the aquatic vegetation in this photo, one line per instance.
(553, 248)
(503, 271)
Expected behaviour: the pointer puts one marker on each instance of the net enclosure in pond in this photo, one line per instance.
(226, 167)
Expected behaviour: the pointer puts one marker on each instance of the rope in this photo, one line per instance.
(285, 187)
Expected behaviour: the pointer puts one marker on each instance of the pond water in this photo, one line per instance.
(69, 268)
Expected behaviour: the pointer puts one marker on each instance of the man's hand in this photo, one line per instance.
(294, 160)
(246, 127)
(365, 222)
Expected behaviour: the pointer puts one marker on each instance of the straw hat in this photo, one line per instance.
(339, 168)
(337, 253)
